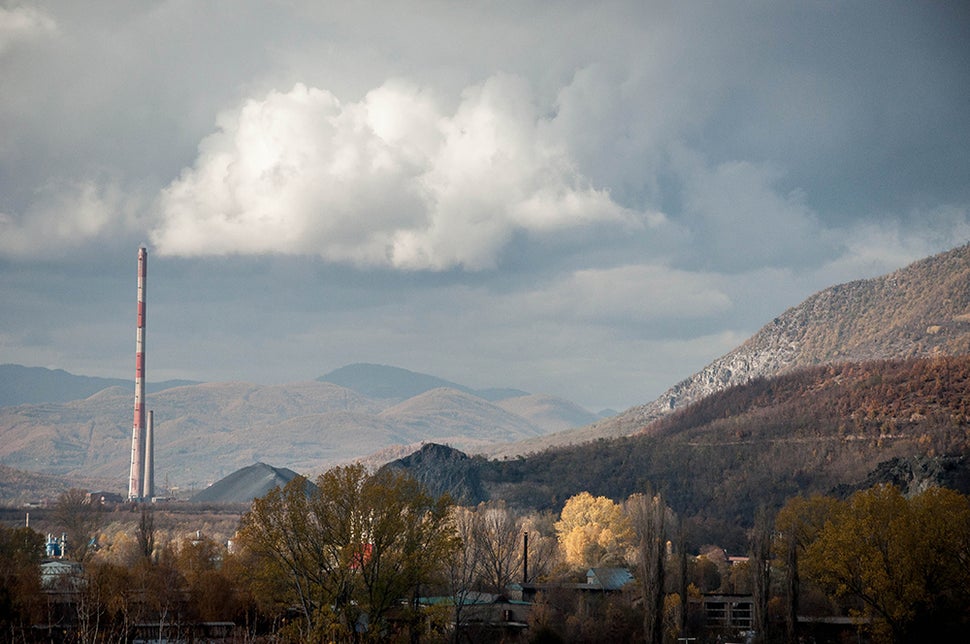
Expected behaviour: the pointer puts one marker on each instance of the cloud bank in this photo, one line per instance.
(590, 200)
(392, 180)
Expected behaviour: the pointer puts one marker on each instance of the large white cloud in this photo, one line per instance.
(390, 180)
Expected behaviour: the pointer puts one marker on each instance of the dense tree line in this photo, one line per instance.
(105, 596)
(356, 557)
(899, 563)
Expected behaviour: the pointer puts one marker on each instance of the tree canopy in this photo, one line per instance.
(349, 549)
(901, 561)
(594, 531)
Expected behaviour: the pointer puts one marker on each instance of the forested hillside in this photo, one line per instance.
(819, 429)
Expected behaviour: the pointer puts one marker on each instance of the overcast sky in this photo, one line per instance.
(590, 200)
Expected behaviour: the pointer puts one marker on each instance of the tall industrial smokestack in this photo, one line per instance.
(136, 481)
(148, 482)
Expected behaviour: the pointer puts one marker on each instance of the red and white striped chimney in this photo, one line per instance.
(136, 481)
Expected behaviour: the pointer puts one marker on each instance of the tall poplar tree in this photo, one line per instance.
(650, 517)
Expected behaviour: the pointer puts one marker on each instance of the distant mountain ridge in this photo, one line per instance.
(20, 385)
(383, 381)
(206, 431)
(920, 310)
(20, 486)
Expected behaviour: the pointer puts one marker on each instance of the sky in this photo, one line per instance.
(587, 200)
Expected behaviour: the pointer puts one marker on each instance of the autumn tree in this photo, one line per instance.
(462, 564)
(160, 593)
(488, 554)
(288, 560)
(544, 555)
(680, 548)
(492, 541)
(593, 531)
(498, 544)
(352, 546)
(146, 532)
(797, 525)
(904, 560)
(211, 592)
(105, 603)
(704, 573)
(406, 535)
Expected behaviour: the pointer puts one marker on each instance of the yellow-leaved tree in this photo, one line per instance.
(594, 531)
(905, 559)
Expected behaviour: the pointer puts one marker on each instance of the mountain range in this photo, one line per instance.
(384, 382)
(206, 431)
(20, 385)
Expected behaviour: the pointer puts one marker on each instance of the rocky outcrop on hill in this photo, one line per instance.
(915, 474)
(443, 470)
(920, 310)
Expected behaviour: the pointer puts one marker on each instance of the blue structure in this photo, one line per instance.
(56, 548)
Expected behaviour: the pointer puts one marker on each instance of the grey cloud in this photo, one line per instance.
(670, 175)
(21, 24)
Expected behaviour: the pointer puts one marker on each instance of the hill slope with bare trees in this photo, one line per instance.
(823, 429)
(921, 310)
